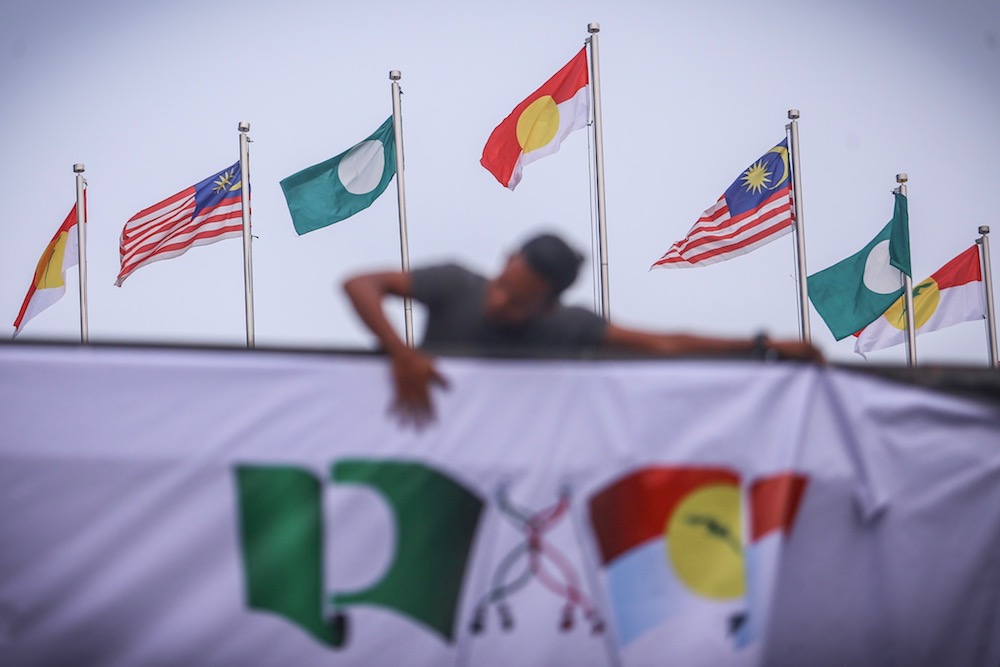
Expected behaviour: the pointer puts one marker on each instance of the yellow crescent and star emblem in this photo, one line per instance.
(758, 177)
(225, 181)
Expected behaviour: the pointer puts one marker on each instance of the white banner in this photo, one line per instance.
(221, 508)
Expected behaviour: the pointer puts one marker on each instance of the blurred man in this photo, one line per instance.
(518, 309)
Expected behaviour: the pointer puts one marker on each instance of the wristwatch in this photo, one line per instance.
(762, 348)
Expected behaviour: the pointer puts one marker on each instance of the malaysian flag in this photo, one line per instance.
(756, 209)
(204, 213)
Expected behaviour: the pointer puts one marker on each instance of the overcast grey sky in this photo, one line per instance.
(148, 96)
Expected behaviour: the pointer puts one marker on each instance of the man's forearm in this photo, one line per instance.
(366, 294)
(692, 345)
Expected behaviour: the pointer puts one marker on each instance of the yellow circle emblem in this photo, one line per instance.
(538, 124)
(926, 297)
(705, 542)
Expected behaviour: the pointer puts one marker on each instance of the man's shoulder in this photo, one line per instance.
(453, 269)
(446, 274)
(434, 282)
(576, 325)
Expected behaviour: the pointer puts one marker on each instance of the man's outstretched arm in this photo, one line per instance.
(412, 370)
(671, 345)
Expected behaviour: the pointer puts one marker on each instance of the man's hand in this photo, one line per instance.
(796, 349)
(413, 373)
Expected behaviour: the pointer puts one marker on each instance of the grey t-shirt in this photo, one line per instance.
(455, 301)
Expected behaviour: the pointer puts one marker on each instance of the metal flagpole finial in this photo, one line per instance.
(243, 126)
(984, 229)
(902, 177)
(593, 27)
(395, 75)
(793, 114)
(78, 168)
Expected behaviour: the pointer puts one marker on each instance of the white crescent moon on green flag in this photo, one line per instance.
(361, 168)
(880, 276)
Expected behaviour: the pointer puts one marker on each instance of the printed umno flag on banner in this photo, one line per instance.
(338, 188)
(953, 294)
(681, 570)
(537, 126)
(850, 294)
(207, 212)
(755, 210)
(49, 282)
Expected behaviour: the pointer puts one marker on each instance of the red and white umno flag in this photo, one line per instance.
(953, 294)
(537, 126)
(49, 282)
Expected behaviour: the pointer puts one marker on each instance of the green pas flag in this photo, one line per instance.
(283, 541)
(338, 188)
(851, 294)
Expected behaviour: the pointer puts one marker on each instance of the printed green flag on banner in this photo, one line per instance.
(282, 540)
(338, 188)
(851, 294)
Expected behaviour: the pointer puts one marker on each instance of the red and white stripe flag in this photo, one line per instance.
(953, 294)
(755, 210)
(204, 213)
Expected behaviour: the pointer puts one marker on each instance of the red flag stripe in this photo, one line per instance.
(779, 199)
(176, 249)
(179, 224)
(175, 239)
(137, 224)
(962, 269)
(774, 503)
(155, 209)
(180, 233)
(737, 249)
(710, 234)
(162, 225)
(721, 244)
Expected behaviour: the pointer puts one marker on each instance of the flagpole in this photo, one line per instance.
(244, 127)
(991, 317)
(805, 332)
(911, 330)
(602, 228)
(81, 238)
(404, 244)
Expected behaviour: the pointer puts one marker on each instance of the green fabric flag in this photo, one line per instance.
(851, 294)
(338, 188)
(436, 518)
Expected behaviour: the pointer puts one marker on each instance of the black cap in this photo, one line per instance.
(552, 258)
